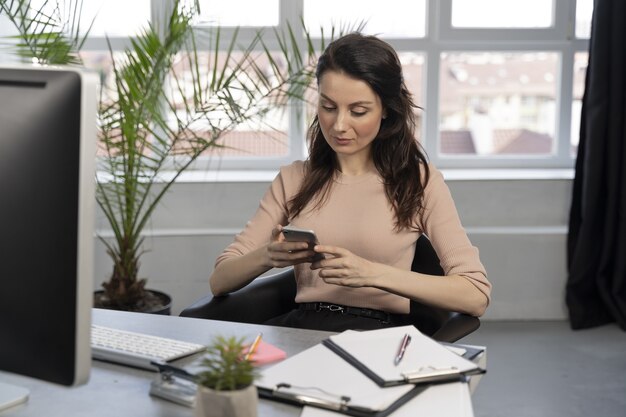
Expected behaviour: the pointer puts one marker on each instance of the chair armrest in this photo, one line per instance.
(263, 299)
(442, 325)
(457, 326)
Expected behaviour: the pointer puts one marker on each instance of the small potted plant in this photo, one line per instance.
(226, 385)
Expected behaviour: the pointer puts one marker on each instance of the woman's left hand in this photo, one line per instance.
(342, 267)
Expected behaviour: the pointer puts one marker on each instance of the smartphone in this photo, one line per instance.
(295, 234)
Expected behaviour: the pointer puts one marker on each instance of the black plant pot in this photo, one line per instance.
(156, 302)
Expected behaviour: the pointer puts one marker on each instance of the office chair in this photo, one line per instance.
(274, 295)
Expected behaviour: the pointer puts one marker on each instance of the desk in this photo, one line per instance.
(115, 390)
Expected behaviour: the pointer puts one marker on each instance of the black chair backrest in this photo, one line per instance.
(425, 259)
(426, 318)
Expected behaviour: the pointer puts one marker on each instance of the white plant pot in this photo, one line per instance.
(240, 403)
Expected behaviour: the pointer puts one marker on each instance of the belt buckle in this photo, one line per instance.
(333, 307)
(330, 307)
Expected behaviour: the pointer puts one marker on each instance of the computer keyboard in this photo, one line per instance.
(137, 349)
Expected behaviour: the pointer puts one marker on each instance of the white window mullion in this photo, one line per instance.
(564, 108)
(160, 10)
(291, 12)
(429, 134)
(430, 137)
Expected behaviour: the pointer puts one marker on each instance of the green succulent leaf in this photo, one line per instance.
(224, 366)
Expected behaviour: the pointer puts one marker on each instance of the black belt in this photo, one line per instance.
(355, 311)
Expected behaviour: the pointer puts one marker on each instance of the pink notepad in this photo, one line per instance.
(267, 353)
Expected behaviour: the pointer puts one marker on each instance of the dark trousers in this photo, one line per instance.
(326, 320)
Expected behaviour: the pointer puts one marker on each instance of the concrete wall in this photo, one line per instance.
(519, 223)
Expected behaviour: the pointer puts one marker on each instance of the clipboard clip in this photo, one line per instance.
(431, 374)
(306, 399)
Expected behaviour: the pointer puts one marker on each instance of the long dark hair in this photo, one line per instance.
(396, 152)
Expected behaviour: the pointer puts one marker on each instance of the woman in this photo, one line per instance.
(368, 192)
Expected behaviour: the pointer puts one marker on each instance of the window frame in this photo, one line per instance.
(440, 37)
(560, 39)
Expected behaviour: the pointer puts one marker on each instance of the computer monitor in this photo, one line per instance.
(47, 165)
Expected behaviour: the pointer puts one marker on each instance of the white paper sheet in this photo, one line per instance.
(321, 373)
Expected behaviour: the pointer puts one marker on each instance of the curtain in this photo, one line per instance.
(596, 246)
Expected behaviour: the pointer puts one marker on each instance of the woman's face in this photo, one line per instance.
(349, 114)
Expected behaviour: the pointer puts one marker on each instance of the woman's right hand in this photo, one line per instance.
(281, 253)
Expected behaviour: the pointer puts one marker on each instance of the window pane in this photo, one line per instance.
(7, 29)
(239, 12)
(102, 64)
(502, 13)
(108, 18)
(381, 18)
(266, 138)
(584, 11)
(497, 103)
(581, 60)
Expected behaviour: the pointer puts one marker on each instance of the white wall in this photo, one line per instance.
(519, 225)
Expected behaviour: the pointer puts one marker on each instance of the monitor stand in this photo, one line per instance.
(11, 395)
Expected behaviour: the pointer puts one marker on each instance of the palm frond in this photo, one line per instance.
(48, 34)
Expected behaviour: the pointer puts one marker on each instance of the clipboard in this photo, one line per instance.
(425, 360)
(337, 385)
(438, 400)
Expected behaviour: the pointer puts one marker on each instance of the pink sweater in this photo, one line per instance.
(358, 217)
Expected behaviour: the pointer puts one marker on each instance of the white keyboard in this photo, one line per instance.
(137, 349)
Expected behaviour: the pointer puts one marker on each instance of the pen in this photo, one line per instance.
(403, 344)
(253, 346)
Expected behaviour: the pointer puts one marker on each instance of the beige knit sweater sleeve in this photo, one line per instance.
(440, 222)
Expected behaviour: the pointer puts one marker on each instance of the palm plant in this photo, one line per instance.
(156, 118)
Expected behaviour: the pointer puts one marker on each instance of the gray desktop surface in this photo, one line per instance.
(115, 390)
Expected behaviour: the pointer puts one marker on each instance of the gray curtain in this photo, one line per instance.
(596, 286)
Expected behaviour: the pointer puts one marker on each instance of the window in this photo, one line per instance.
(266, 139)
(258, 13)
(497, 103)
(106, 16)
(500, 82)
(381, 16)
(108, 19)
(501, 14)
